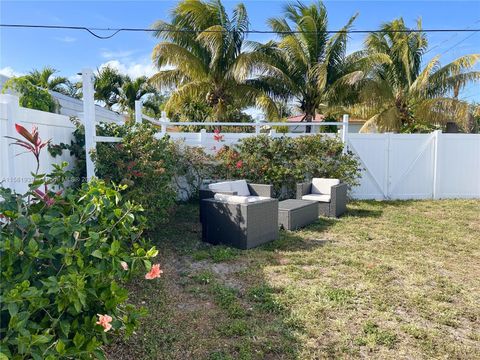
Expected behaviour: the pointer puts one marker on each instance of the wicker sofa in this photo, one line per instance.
(330, 194)
(232, 216)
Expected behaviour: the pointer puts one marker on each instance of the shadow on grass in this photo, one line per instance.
(213, 302)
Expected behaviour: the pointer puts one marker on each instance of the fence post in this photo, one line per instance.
(345, 133)
(272, 133)
(13, 107)
(138, 111)
(163, 120)
(202, 136)
(89, 119)
(436, 138)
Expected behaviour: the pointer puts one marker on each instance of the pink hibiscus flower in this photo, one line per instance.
(154, 272)
(104, 321)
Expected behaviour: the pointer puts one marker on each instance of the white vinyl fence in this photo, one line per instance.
(417, 166)
(15, 165)
(396, 166)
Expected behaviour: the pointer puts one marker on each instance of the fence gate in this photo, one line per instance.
(396, 166)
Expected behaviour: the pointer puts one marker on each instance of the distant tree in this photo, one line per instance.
(31, 96)
(107, 84)
(206, 55)
(132, 90)
(45, 79)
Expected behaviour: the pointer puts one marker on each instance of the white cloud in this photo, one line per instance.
(66, 39)
(9, 72)
(108, 54)
(132, 69)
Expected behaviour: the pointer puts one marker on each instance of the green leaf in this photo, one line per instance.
(32, 246)
(12, 309)
(78, 340)
(60, 347)
(56, 229)
(41, 339)
(65, 327)
(98, 254)
(114, 247)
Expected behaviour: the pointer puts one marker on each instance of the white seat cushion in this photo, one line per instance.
(221, 186)
(236, 199)
(323, 186)
(317, 197)
(241, 187)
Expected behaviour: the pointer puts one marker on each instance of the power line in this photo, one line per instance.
(450, 38)
(115, 31)
(461, 41)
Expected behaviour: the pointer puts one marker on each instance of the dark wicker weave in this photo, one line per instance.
(239, 225)
(294, 214)
(338, 201)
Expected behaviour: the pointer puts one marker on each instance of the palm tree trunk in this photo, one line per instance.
(308, 118)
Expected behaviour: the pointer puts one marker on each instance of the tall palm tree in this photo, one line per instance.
(398, 93)
(200, 57)
(45, 79)
(107, 84)
(306, 64)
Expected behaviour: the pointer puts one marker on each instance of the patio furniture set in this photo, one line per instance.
(244, 215)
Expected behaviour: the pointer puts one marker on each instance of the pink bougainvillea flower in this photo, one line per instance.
(154, 272)
(104, 321)
(239, 164)
(217, 136)
(124, 265)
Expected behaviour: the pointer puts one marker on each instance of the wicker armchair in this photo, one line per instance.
(330, 194)
(243, 225)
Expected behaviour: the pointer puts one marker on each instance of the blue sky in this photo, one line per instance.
(70, 51)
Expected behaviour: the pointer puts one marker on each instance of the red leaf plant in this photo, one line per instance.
(32, 142)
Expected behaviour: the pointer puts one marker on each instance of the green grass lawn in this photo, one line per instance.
(387, 280)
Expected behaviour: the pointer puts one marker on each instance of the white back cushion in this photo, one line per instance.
(241, 187)
(323, 186)
(220, 186)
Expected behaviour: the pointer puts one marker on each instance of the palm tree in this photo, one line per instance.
(45, 79)
(201, 56)
(306, 64)
(107, 84)
(398, 94)
(133, 90)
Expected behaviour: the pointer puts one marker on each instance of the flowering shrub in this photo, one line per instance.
(192, 167)
(144, 163)
(64, 256)
(285, 161)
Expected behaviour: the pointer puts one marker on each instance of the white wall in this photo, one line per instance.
(74, 107)
(15, 166)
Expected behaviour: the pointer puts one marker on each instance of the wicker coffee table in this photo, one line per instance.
(294, 214)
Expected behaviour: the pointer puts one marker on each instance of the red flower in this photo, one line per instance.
(239, 164)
